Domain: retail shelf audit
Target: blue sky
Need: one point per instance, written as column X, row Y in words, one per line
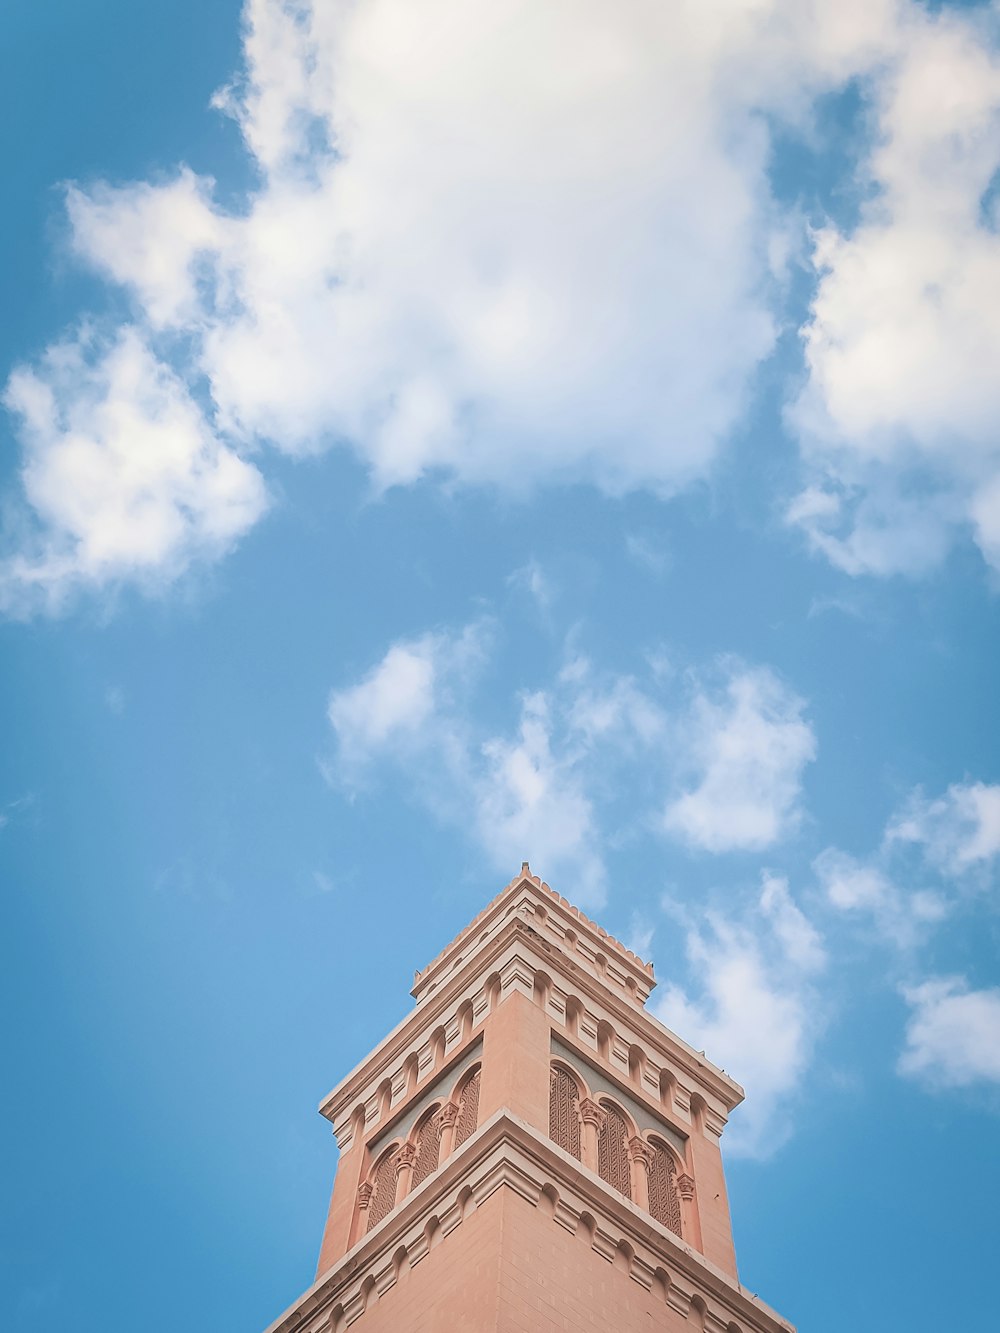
column 441, row 435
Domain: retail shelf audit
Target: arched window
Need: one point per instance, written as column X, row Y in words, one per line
column 468, row 1115
column 383, row 1180
column 428, row 1143
column 612, row 1151
column 564, row 1116
column 663, row 1201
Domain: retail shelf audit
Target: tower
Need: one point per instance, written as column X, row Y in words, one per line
column 530, row 1150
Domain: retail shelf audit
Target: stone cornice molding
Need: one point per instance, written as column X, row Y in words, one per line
column 685, row 1186
column 536, row 889
column 640, row 1152
column 591, row 1113
column 447, row 1115
column 507, row 1153
column 339, row 1104
column 405, row 1156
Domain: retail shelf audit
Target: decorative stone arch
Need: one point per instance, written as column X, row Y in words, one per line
column 567, row 1093
column 574, row 1013
column 615, row 1135
column 377, row 1193
column 384, row 1099
column 411, row 1072
column 605, row 1040
column 697, row 1313
column 465, row 1020
column 437, row 1044
column 541, row 989
column 636, row 1064
column 664, row 1171
column 668, row 1089
column 426, row 1139
column 466, row 1098
column 699, row 1112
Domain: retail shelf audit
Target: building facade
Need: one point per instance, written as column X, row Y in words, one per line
column 530, row 1150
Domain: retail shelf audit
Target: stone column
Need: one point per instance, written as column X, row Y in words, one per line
column 405, row 1158
column 685, row 1188
column 592, row 1120
column 640, row 1154
column 446, row 1118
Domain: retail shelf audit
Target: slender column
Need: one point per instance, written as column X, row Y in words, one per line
column 592, row 1119
column 405, row 1158
column 446, row 1118
column 640, row 1154
column 685, row 1188
column 340, row 1220
column 365, row 1192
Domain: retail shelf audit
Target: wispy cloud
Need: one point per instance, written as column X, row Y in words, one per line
column 747, row 744
column 455, row 305
column 124, row 479
column 953, row 1034
column 959, row 832
column 898, row 414
column 755, row 1008
column 544, row 790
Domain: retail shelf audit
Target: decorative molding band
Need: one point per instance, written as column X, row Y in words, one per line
column 506, row 1153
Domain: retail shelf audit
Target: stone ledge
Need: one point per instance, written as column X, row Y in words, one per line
column 506, row 1153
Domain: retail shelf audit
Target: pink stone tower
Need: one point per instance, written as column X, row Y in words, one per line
column 530, row 1150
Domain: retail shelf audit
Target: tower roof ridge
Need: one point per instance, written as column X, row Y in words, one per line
column 526, row 877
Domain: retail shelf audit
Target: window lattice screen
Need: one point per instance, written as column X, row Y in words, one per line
column 428, row 1148
column 384, row 1194
column 663, row 1201
column 468, row 1117
column 564, row 1118
column 612, row 1153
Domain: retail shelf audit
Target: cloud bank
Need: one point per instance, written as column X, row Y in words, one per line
column 511, row 245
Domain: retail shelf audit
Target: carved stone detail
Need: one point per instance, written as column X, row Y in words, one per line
column 685, row 1186
column 405, row 1157
column 592, row 1114
column 447, row 1115
column 640, row 1152
column 365, row 1192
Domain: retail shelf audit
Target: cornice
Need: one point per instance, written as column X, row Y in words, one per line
column 600, row 940
column 506, row 1152
column 426, row 1015
column 423, row 1016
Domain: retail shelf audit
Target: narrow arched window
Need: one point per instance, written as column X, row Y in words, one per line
column 468, row 1116
column 612, row 1151
column 664, row 1204
column 564, row 1115
column 428, row 1142
column 383, row 1180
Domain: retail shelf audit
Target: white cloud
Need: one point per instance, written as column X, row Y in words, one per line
column 531, row 794
column 953, row 1034
column 959, row 831
column 957, row 840
column 519, row 244
column 150, row 238
column 898, row 417
column 123, row 477
column 754, row 1009
column 865, row 889
column 533, row 579
column 747, row 746
column 529, row 799
column 396, row 696
column 589, row 750
column 511, row 242
column 403, row 705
